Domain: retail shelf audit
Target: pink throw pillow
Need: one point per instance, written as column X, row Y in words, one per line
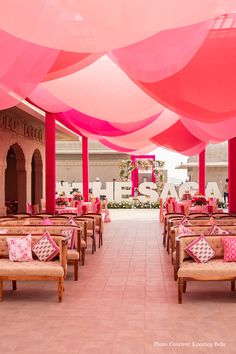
column 45, row 249
column 70, row 236
column 229, row 244
column 216, row 230
column 19, row 249
column 185, row 222
column 71, row 222
column 3, row 232
column 47, row 222
column 183, row 230
column 200, row 250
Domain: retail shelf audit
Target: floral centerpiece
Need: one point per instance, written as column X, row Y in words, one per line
column 78, row 196
column 199, row 200
column 61, row 201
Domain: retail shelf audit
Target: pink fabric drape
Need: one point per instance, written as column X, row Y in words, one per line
column 95, row 26
column 23, row 66
column 177, row 138
column 162, row 54
column 204, row 89
column 116, row 98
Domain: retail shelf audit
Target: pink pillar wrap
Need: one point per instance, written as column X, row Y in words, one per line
column 134, row 176
column 50, row 155
column 134, row 173
column 85, row 158
column 232, row 174
column 202, row 172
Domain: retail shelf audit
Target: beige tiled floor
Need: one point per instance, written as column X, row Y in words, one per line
column 125, row 302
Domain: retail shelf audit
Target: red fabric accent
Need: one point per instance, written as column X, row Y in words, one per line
column 210, row 209
column 84, row 209
column 99, row 207
column 169, row 138
column 205, row 88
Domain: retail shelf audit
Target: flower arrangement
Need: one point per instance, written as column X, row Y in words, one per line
column 144, row 164
column 199, row 200
column 78, row 196
column 136, row 204
column 61, row 201
column 126, row 167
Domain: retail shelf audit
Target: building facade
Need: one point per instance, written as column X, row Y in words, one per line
column 103, row 162
column 22, row 156
column 216, row 165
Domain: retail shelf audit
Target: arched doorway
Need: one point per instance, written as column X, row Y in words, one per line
column 15, row 180
column 36, row 177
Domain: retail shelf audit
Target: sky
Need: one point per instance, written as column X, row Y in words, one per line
column 172, row 160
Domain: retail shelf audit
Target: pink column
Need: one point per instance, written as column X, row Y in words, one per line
column 202, row 172
column 85, row 158
column 153, row 176
column 232, row 174
column 50, row 152
column 134, row 177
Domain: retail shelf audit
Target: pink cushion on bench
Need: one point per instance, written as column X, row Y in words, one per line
column 229, row 244
column 45, row 249
column 19, row 249
column 200, row 250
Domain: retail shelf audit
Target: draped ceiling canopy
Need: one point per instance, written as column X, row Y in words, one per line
column 134, row 75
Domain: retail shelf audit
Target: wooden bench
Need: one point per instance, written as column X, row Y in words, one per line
column 73, row 256
column 214, row 269
column 54, row 270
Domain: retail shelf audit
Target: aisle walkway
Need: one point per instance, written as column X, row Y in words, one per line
column 125, row 302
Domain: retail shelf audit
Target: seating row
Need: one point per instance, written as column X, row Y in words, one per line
column 84, row 227
column 180, row 243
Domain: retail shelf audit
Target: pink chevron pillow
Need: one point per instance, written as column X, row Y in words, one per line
column 46, row 249
column 216, row 230
column 200, row 250
column 70, row 236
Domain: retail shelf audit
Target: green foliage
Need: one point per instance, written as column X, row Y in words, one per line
column 136, row 204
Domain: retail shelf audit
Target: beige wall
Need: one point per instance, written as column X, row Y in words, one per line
column 213, row 174
column 216, row 154
column 104, row 166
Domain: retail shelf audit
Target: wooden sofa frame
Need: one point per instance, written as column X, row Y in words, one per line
column 61, row 242
column 182, row 281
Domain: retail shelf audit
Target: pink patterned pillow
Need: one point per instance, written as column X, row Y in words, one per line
column 19, row 249
column 45, row 249
column 183, row 230
column 216, row 230
column 47, row 221
column 185, row 222
column 200, row 250
column 70, row 236
column 3, row 232
column 71, row 222
column 229, row 244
